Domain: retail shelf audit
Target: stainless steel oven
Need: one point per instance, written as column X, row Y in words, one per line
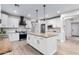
column 22, row 36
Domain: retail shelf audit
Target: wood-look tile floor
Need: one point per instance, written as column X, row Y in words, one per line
column 70, row 47
column 21, row 48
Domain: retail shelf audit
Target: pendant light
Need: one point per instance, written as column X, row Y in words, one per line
column 36, row 15
column 44, row 11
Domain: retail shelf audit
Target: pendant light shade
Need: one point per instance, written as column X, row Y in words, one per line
column 44, row 5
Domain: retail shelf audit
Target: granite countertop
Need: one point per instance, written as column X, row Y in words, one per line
column 45, row 35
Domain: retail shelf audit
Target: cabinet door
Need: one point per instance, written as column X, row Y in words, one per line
column 14, row 37
column 52, row 45
column 28, row 38
column 42, row 45
column 33, row 41
column 36, row 42
column 13, row 22
column 4, row 20
column 9, row 35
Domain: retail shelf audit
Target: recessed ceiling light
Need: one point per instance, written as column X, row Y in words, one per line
column 15, row 11
column 58, row 12
column 29, row 15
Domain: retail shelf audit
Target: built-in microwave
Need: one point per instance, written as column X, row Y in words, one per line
column 50, row 26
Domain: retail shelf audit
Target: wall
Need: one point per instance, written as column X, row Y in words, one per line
column 68, row 29
column 64, row 17
column 28, row 22
column 71, row 13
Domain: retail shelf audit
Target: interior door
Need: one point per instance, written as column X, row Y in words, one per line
column 75, row 29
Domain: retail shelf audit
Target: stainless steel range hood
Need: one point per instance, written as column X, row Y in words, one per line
column 22, row 22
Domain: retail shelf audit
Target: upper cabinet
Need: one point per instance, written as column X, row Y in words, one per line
column 4, row 20
column 9, row 21
column 54, row 22
column 13, row 22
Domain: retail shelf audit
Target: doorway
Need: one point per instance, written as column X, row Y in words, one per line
column 75, row 29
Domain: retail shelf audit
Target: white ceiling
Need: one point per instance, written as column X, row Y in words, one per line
column 29, row 9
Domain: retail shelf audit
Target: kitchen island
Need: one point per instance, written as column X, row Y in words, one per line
column 46, row 43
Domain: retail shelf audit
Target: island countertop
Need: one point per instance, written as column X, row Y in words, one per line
column 45, row 35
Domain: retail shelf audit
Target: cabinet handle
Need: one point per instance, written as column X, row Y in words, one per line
column 38, row 42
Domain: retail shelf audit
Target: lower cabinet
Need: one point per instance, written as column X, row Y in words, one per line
column 33, row 41
column 13, row 36
column 44, row 45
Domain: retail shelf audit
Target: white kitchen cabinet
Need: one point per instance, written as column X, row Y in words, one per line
column 47, row 46
column 9, row 21
column 13, row 22
column 13, row 36
column 32, row 40
column 42, row 45
column 54, row 22
column 4, row 21
column 36, row 42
